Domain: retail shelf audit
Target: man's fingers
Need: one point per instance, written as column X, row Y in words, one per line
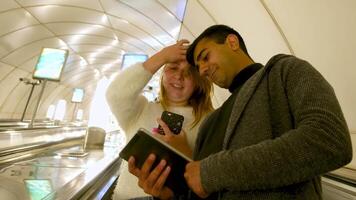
column 154, row 175
column 132, row 167
column 146, row 167
column 162, row 179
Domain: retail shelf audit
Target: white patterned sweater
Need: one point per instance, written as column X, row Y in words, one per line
column 133, row 111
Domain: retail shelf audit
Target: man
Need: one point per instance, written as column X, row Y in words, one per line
column 280, row 129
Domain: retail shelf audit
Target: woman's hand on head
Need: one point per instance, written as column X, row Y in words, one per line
column 171, row 54
column 179, row 141
column 176, row 52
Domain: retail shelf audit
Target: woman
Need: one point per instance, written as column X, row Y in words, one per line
column 183, row 91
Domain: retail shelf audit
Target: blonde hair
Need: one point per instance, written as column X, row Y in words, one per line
column 200, row 99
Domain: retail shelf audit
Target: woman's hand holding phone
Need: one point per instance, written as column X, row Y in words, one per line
column 177, row 141
column 174, row 122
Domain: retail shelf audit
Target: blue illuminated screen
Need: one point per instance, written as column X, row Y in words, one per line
column 50, row 64
column 130, row 59
column 78, row 94
column 38, row 188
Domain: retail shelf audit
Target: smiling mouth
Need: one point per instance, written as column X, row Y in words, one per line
column 178, row 86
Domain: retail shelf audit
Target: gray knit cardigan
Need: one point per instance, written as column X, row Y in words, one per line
column 285, row 130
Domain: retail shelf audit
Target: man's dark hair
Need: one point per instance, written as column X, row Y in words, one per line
column 218, row 34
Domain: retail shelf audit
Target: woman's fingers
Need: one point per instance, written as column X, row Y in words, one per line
column 183, row 41
column 167, row 132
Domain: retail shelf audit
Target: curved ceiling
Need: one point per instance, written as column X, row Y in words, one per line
column 96, row 32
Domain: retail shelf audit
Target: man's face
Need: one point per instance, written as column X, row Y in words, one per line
column 215, row 61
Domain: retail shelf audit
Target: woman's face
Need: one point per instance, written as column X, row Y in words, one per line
column 178, row 83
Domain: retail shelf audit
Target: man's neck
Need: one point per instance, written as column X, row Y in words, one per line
column 242, row 63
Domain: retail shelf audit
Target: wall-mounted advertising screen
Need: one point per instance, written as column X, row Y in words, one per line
column 78, row 95
column 50, row 64
column 130, row 59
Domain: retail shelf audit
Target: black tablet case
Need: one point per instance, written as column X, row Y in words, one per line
column 144, row 143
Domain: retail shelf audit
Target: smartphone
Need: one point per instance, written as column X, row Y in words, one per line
column 173, row 120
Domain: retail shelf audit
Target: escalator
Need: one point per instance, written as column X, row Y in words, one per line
column 51, row 164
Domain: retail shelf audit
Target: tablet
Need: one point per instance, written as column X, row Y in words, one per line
column 144, row 143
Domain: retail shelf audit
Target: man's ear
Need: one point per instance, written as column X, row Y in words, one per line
column 232, row 41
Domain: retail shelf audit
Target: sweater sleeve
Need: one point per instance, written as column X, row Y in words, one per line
column 320, row 141
column 124, row 94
